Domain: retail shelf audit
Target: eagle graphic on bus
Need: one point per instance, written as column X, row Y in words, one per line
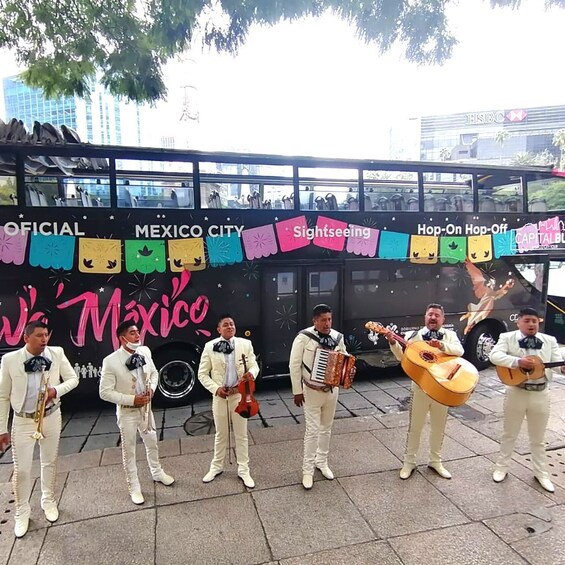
column 484, row 288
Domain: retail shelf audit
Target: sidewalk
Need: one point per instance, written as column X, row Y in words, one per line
column 366, row 516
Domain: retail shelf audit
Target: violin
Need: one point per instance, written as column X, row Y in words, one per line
column 247, row 406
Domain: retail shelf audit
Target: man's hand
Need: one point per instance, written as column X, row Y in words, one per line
column 5, row 442
column 222, row 392
column 51, row 393
column 247, row 377
column 435, row 343
column 298, row 399
column 141, row 399
column 525, row 363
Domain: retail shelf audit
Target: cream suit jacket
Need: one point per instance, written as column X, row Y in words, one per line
column 212, row 368
column 507, row 351
column 303, row 351
column 450, row 341
column 116, row 381
column 13, row 380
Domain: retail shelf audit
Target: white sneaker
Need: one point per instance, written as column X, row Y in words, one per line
column 21, row 526
column 546, row 484
column 499, row 476
column 210, row 476
column 247, row 480
column 327, row 472
column 406, row 472
column 307, row 481
column 440, row 470
column 165, row 479
column 51, row 512
column 137, row 497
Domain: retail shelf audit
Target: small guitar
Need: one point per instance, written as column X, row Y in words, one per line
column 515, row 377
column 448, row 379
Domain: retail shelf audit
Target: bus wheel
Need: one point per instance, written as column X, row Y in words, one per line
column 178, row 383
column 479, row 344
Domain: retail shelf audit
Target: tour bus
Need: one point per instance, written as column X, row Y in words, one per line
column 170, row 239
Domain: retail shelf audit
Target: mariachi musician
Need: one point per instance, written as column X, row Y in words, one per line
column 30, row 381
column 530, row 399
column 319, row 401
column 447, row 342
column 221, row 369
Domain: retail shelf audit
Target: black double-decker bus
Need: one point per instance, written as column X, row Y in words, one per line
column 91, row 235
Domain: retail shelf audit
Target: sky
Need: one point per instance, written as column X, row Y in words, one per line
column 311, row 87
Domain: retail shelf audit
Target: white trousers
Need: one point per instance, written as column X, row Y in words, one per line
column 420, row 405
column 130, row 421
column 223, row 410
column 534, row 405
column 22, row 453
column 319, row 411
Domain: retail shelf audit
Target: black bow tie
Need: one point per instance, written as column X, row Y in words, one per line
column 432, row 334
column 327, row 341
column 530, row 342
column 223, row 346
column 37, row 364
column 135, row 361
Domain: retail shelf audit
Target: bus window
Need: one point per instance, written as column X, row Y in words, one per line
column 391, row 191
column 546, row 193
column 329, row 189
column 155, row 193
column 8, row 191
column 447, row 192
column 500, row 192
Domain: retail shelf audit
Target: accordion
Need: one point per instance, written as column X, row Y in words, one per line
column 333, row 368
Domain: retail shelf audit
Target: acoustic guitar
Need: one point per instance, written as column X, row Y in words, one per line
column 447, row 379
column 516, row 376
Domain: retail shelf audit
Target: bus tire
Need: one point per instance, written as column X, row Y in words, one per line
column 178, row 383
column 479, row 344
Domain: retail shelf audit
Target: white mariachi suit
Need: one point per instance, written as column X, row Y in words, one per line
column 14, row 391
column 119, row 385
column 519, row 402
column 212, row 373
column 421, row 403
column 319, row 405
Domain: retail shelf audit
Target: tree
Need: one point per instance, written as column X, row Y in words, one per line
column 559, row 141
column 526, row 159
column 500, row 137
column 65, row 43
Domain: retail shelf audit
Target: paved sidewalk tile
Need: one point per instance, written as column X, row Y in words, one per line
column 294, row 521
column 470, row 544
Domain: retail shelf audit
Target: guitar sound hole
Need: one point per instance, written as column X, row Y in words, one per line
column 428, row 356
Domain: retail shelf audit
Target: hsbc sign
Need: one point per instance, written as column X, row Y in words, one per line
column 495, row 117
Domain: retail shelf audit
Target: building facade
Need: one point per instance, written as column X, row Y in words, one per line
column 496, row 136
column 103, row 119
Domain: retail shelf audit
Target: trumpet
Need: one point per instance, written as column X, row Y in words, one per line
column 40, row 407
column 147, row 420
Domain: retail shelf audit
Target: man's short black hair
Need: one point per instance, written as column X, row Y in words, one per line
column 528, row 312
column 224, row 316
column 32, row 326
column 124, row 326
column 434, row 305
column 320, row 309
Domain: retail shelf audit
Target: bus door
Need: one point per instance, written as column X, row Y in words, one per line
column 288, row 296
column 555, row 313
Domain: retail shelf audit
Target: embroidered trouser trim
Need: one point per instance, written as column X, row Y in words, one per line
column 22, row 453
column 319, row 411
column 130, row 421
column 420, row 405
column 534, row 406
column 220, row 409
